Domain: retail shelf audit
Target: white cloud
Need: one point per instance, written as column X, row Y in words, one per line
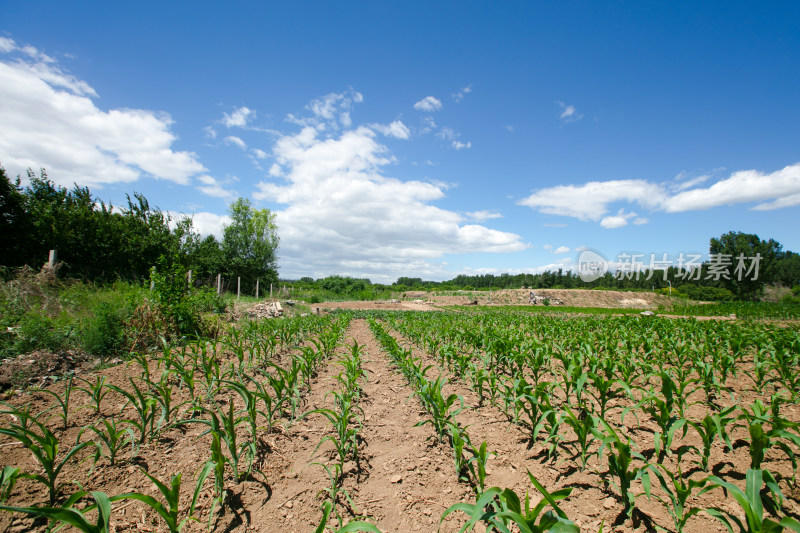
column 481, row 216
column 561, row 250
column 448, row 134
column 212, row 187
column 210, row 132
column 208, row 223
column 344, row 215
column 429, row 103
column 462, row 93
column 548, row 246
column 50, row 120
column 259, row 154
column 593, row 200
column 569, row 113
column 742, row 187
column 238, row 118
column 233, row 140
column 396, row 129
column 617, row 221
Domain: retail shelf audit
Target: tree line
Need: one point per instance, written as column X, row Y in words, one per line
column 102, row 243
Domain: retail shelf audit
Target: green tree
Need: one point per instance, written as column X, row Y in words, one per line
column 250, row 243
column 734, row 246
column 14, row 225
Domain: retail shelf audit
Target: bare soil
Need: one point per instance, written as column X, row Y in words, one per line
column 406, row 480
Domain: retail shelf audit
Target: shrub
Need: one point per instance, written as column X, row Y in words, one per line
column 712, row 294
column 104, row 334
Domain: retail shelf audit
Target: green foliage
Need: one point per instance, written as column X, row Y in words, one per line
column 250, row 243
column 179, row 303
column 710, row 294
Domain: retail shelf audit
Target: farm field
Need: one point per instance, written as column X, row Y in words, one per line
column 409, row 420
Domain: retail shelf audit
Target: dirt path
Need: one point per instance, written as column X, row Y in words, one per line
column 411, row 480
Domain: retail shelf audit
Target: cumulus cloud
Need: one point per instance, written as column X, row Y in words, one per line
column 213, row 187
column 429, row 103
column 238, row 118
column 569, row 113
column 233, row 140
column 592, row 201
column 561, row 250
column 206, row 223
column 396, row 129
column 344, row 215
column 481, row 216
column 50, row 120
column 617, row 221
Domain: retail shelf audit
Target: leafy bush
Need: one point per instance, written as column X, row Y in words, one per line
column 38, row 331
column 712, row 294
column 180, row 304
column 104, row 334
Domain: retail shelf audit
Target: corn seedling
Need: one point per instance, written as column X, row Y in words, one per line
column 171, row 493
column 96, row 391
column 711, row 426
column 113, row 436
column 677, row 491
column 43, row 445
column 500, row 508
column 8, row 478
column 327, row 508
column 620, row 459
column 145, row 407
column 74, row 517
column 750, row 501
column 62, row 402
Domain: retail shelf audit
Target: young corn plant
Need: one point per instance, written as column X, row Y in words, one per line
column 62, row 401
column 113, row 436
column 750, row 501
column 499, row 509
column 170, row 512
column 43, row 445
column 713, row 425
column 762, row 439
column 442, row 410
column 145, row 406
column 68, row 515
column 620, row 460
column 677, row 491
column 222, row 427
column 8, row 478
column 582, row 425
column 96, row 391
column 327, row 508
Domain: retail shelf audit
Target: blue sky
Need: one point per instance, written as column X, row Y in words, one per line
column 423, row 139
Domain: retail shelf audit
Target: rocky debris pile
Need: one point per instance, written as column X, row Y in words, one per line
column 534, row 299
column 266, row 310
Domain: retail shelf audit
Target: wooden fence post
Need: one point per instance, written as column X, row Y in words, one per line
column 238, row 287
column 219, row 284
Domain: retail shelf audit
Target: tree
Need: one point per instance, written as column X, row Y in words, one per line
column 250, row 243
column 738, row 251
column 14, row 226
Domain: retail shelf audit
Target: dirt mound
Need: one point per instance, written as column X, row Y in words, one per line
column 569, row 297
column 37, row 368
